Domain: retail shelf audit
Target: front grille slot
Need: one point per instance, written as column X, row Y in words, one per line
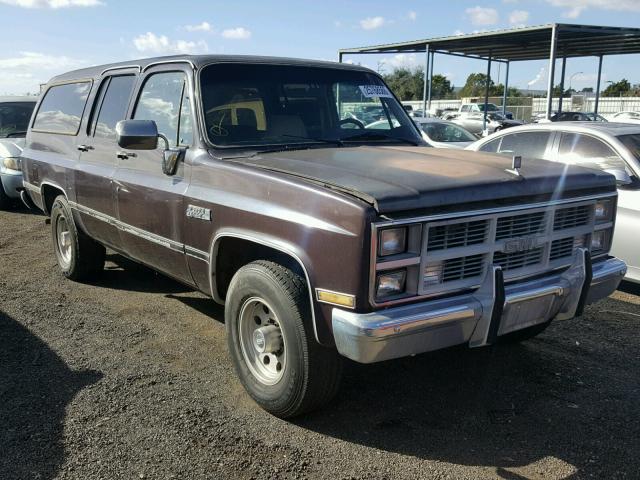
column 572, row 217
column 561, row 248
column 520, row 225
column 457, row 235
column 462, row 268
column 511, row 261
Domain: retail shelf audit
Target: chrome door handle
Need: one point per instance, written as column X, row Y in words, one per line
column 125, row 155
column 85, row 148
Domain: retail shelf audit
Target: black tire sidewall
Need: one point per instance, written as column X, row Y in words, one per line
column 60, row 208
column 254, row 281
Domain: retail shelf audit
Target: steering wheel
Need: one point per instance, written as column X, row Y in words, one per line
column 354, row 121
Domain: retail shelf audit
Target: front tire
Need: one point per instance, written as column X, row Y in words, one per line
column 272, row 344
column 79, row 256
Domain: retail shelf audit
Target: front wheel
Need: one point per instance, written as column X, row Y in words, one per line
column 272, row 344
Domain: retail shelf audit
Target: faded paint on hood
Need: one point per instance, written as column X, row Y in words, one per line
column 407, row 178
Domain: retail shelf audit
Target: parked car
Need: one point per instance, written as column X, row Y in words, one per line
column 474, row 122
column 611, row 147
column 573, row 117
column 478, row 107
column 322, row 238
column 443, row 134
column 15, row 113
column 625, row 117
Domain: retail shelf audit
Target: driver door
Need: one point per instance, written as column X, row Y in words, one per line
column 149, row 203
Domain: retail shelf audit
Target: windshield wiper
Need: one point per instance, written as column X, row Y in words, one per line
column 378, row 136
column 315, row 139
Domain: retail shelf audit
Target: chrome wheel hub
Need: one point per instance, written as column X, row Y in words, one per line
column 63, row 241
column 261, row 340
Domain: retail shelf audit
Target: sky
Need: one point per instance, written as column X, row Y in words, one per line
column 42, row 38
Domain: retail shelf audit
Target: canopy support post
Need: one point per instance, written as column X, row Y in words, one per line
column 486, row 95
column 506, row 90
column 564, row 68
column 552, row 70
column 595, row 110
column 430, row 82
column 426, row 74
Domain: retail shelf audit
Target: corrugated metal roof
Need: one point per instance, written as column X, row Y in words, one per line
column 526, row 43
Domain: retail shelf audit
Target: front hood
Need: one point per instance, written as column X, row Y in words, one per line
column 11, row 147
column 393, row 179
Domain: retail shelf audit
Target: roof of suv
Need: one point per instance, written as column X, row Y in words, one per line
column 18, row 98
column 199, row 61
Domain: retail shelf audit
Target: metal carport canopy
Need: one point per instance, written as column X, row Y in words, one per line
column 552, row 41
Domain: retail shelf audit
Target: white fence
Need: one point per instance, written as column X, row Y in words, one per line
column 579, row 103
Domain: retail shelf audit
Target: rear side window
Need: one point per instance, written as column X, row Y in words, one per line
column 588, row 152
column 61, row 108
column 528, row 144
column 161, row 101
column 114, row 105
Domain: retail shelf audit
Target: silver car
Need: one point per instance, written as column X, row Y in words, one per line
column 613, row 147
column 15, row 113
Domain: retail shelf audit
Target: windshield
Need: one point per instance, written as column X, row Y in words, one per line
column 445, row 132
column 264, row 105
column 14, row 118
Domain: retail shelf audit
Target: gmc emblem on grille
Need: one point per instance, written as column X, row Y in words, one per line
column 522, row 244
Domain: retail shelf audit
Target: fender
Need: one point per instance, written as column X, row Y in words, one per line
column 267, row 241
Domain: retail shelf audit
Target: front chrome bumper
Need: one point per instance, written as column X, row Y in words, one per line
column 478, row 318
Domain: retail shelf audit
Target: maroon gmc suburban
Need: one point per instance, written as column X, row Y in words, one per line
column 324, row 232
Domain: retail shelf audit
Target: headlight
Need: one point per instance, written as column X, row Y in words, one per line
column 389, row 284
column 604, row 211
column 600, row 241
column 392, row 241
column 12, row 163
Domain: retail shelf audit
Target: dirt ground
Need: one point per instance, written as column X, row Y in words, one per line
column 129, row 377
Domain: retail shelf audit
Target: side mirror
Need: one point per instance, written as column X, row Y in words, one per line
column 137, row 134
column 622, row 176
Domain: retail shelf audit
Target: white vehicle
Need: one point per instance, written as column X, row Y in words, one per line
column 625, row 117
column 613, row 147
column 15, row 113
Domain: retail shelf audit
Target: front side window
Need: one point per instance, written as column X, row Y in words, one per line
column 527, row 144
column 492, row 146
column 114, row 105
column 588, row 151
column 160, row 100
column 61, row 108
column 14, row 118
column 258, row 105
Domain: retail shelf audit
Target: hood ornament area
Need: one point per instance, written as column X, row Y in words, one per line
column 516, row 164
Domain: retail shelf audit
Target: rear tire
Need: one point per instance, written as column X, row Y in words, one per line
column 524, row 334
column 271, row 341
column 79, row 256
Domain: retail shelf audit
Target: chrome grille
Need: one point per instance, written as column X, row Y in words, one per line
column 572, row 217
column 520, row 225
column 457, row 235
column 511, row 261
column 449, row 254
column 461, row 268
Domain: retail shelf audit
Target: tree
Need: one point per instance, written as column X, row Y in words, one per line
column 408, row 84
column 405, row 83
column 475, row 85
column 617, row 89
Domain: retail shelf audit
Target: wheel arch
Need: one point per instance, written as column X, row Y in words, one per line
column 49, row 192
column 223, row 264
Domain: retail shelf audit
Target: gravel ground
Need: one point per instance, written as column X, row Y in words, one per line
column 129, row 378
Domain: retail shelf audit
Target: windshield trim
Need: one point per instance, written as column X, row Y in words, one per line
column 284, row 62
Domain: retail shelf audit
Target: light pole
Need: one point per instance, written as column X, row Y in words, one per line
column 571, row 78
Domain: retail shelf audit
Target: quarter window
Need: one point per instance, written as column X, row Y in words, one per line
column 61, row 108
column 114, row 105
column 161, row 101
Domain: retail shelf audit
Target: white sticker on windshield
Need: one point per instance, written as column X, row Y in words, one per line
column 371, row 91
